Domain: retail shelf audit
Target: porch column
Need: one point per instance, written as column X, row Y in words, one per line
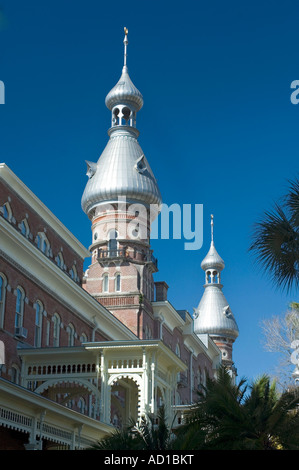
column 105, row 410
column 144, row 398
column 153, row 368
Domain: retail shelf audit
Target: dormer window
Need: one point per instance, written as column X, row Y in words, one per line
column 60, row 261
column 6, row 211
column 24, row 227
column 43, row 243
column 73, row 273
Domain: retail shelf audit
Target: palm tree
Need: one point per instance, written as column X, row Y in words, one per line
column 242, row 417
column 155, row 433
column 276, row 240
column 226, row 417
column 119, row 439
column 151, row 433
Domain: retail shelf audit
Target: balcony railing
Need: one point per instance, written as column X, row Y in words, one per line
column 125, row 253
column 122, row 253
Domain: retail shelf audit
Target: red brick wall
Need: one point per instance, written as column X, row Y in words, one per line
column 51, row 306
column 37, row 224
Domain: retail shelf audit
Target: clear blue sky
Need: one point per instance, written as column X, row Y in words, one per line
column 217, row 125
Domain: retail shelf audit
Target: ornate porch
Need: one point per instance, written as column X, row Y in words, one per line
column 109, row 381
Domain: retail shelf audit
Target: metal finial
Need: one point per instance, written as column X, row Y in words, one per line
column 212, row 227
column 126, row 42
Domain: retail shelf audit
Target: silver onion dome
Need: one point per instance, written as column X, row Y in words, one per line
column 122, row 170
column 213, row 315
column 125, row 93
column 212, row 260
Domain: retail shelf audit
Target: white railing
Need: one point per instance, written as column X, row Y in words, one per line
column 125, row 364
column 15, row 420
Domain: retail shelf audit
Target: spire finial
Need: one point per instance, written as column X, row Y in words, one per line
column 126, row 42
column 212, row 227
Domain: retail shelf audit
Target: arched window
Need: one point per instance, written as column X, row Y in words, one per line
column 73, row 273
column 60, row 261
column 43, row 243
column 83, row 338
column 15, row 374
column 178, row 353
column 24, row 227
column 117, row 282
column 112, row 243
column 71, row 334
column 105, row 283
column 38, row 324
column 45, row 246
column 19, row 307
column 6, row 211
column 56, row 329
column 3, row 284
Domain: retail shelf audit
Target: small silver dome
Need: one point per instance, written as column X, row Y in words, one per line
column 213, row 315
column 212, row 260
column 124, row 92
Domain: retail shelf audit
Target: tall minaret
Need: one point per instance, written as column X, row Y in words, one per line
column 121, row 199
column 213, row 315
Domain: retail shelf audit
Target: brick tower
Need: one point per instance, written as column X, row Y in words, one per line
column 122, row 198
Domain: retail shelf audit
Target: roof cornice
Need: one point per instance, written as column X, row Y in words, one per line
column 7, row 175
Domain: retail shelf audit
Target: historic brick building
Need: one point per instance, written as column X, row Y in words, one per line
column 86, row 351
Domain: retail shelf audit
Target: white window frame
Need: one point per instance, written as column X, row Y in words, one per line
column 20, row 302
column 56, row 329
column 3, row 285
column 60, row 260
column 71, row 334
column 24, row 227
column 43, row 243
column 7, row 212
column 105, row 283
column 117, row 281
column 38, row 323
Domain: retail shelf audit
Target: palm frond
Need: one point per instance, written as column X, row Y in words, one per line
column 292, row 202
column 276, row 246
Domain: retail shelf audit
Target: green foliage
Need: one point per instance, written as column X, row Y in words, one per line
column 226, row 417
column 245, row 417
column 145, row 435
column 276, row 240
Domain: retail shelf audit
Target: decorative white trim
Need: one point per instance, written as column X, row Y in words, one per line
column 29, row 197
